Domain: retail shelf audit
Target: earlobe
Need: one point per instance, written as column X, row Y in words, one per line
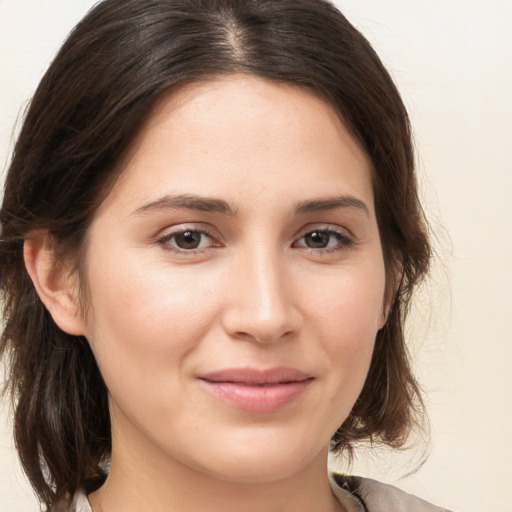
column 383, row 318
column 53, row 283
column 391, row 296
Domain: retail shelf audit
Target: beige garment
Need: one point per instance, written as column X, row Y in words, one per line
column 354, row 493
column 374, row 496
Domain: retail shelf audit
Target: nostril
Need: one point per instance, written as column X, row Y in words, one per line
column 268, row 335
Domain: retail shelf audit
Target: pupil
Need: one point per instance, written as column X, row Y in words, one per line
column 317, row 239
column 188, row 240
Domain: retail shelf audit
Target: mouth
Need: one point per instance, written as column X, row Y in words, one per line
column 256, row 390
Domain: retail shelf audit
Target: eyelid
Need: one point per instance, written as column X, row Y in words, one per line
column 164, row 236
column 347, row 238
column 335, row 228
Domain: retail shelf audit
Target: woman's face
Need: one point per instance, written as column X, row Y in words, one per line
column 236, row 279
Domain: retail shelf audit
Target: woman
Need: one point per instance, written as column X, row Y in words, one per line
column 210, row 236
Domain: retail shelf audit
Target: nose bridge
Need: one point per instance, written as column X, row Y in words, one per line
column 262, row 303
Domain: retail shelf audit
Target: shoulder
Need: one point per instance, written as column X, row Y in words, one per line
column 379, row 497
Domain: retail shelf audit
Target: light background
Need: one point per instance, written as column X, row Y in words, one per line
column 452, row 60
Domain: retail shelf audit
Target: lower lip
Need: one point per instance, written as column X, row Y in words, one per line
column 253, row 398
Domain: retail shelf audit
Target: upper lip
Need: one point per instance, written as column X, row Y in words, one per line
column 256, row 376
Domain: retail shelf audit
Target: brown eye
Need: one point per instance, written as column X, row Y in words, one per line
column 187, row 240
column 318, row 239
column 327, row 239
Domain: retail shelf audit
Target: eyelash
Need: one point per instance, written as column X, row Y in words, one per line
column 165, row 240
column 343, row 240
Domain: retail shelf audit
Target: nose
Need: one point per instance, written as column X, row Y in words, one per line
column 262, row 302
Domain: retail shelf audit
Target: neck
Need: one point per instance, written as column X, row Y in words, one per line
column 150, row 484
column 143, row 476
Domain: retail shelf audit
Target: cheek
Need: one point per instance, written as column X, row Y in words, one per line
column 351, row 304
column 349, row 314
column 132, row 295
column 145, row 320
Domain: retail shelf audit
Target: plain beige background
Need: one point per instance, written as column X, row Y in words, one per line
column 452, row 60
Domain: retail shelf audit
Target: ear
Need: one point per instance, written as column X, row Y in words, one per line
column 384, row 317
column 53, row 283
column 390, row 295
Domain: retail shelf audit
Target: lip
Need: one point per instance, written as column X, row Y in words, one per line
column 257, row 390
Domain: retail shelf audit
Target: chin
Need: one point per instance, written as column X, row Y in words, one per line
column 258, row 462
column 257, row 471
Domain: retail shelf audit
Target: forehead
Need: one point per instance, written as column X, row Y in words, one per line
column 248, row 134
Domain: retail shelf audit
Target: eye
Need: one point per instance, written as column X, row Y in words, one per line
column 324, row 239
column 187, row 240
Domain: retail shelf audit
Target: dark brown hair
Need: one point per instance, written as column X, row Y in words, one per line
column 89, row 107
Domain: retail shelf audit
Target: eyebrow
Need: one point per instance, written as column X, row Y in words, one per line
column 189, row 202
column 331, row 203
column 212, row 205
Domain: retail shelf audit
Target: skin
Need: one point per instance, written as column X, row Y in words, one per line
column 256, row 292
